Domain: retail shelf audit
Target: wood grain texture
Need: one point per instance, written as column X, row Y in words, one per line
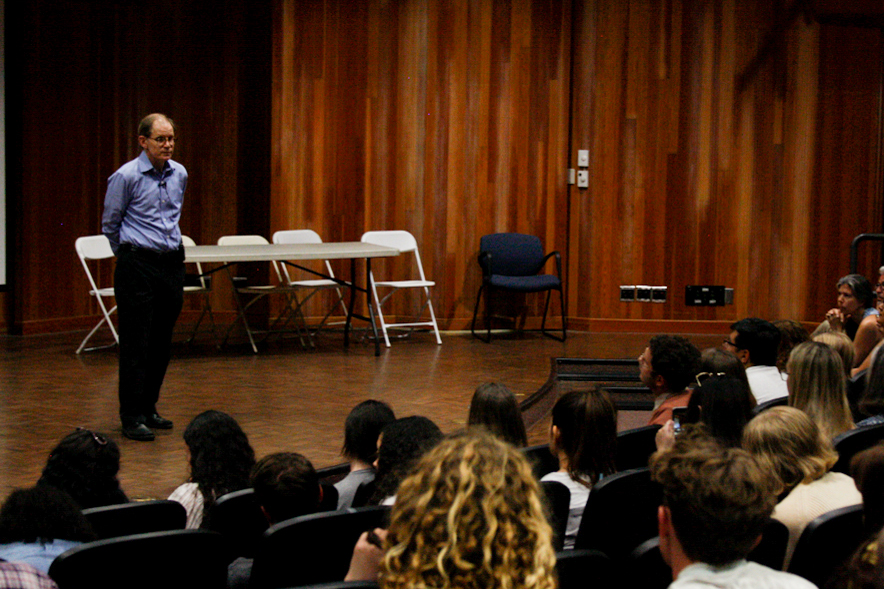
column 731, row 142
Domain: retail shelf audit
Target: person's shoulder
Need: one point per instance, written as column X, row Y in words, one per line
column 737, row 575
column 178, row 168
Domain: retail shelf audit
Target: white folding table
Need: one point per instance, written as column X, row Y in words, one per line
column 225, row 255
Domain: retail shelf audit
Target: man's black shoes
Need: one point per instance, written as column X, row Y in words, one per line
column 138, row 431
column 157, row 422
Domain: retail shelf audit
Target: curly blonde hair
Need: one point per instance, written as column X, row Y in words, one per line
column 470, row 517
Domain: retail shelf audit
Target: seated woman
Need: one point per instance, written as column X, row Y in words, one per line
column 871, row 404
column 361, row 430
column 400, row 446
column 471, row 515
column 792, row 333
column 38, row 524
column 220, row 462
column 495, row 408
column 818, row 387
column 856, row 316
column 583, row 436
column 85, row 465
column 789, row 443
column 723, row 404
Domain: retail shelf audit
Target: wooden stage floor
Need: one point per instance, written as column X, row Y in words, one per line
column 285, row 398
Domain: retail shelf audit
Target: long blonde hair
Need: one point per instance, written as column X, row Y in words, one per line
column 469, row 517
column 818, row 386
column 786, row 441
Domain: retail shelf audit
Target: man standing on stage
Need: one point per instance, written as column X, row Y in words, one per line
column 141, row 212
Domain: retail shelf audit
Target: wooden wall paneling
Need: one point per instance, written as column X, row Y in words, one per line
column 847, row 133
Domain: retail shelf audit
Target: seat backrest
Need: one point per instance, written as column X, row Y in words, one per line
column 558, row 497
column 542, row 460
column 782, row 401
column 620, row 513
column 242, row 240
column 313, row 548
column 93, row 247
column 771, row 551
column 646, row 567
column 826, row 543
column 635, row 446
column 853, row 442
column 178, row 558
column 581, row 569
column 186, row 241
column 238, row 517
column 125, row 519
column 401, row 240
column 296, row 236
column 512, row 254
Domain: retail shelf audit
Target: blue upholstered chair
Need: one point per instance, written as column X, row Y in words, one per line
column 512, row 262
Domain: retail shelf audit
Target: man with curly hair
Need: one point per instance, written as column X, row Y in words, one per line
column 716, row 502
column 667, row 366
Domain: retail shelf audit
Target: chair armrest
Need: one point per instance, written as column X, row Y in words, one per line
column 485, row 263
column 558, row 262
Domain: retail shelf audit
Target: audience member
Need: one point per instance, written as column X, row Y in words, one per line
column 792, row 333
column 220, row 461
column 85, row 465
column 16, row 575
column 583, row 436
column 723, row 404
column 788, row 443
column 756, row 343
column 718, row 362
column 667, row 366
column 855, row 315
column 38, row 524
column 361, row 430
column 716, row 503
column 286, row 486
column 818, row 387
column 871, row 405
column 400, row 446
column 470, row 517
column 867, row 469
column 842, row 345
column 866, row 568
column 495, row 408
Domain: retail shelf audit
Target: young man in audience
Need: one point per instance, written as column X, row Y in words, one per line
column 286, row 486
column 667, row 366
column 756, row 343
column 361, row 431
column 716, row 502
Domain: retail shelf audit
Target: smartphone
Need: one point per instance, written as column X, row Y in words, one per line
column 678, row 418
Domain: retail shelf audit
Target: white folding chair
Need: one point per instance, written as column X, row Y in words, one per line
column 97, row 247
column 404, row 242
column 258, row 292
column 313, row 286
column 204, row 289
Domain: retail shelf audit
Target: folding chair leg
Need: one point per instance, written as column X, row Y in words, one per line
column 433, row 316
column 377, row 303
column 105, row 319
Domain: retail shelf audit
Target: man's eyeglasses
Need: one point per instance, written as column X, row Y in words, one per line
column 728, row 342
column 163, row 140
column 703, row 376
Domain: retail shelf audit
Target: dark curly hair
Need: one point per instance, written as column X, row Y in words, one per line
column 221, row 458
column 674, row 358
column 85, row 465
column 403, row 442
column 42, row 514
